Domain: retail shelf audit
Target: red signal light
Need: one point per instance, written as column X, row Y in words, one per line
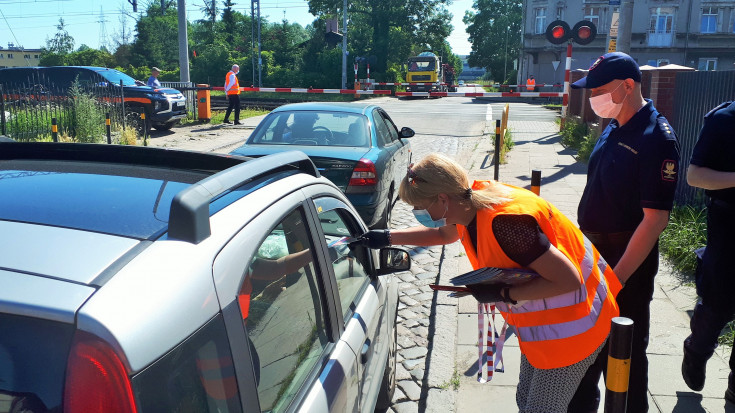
column 558, row 32
column 584, row 32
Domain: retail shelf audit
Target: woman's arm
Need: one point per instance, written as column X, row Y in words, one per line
column 558, row 276
column 423, row 236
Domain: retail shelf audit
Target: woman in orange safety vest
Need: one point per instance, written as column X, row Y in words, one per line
column 562, row 319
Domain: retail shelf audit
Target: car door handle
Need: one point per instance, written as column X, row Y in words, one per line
column 365, row 353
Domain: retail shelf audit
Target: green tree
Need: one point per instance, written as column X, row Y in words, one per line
column 156, row 42
column 62, row 43
column 494, row 28
column 90, row 57
column 391, row 25
column 229, row 21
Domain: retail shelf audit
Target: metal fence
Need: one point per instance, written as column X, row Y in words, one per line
column 27, row 108
column 696, row 94
column 188, row 89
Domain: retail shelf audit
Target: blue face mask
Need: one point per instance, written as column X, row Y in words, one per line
column 424, row 218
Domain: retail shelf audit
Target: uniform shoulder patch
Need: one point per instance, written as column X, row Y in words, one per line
column 664, row 126
column 722, row 105
column 669, row 169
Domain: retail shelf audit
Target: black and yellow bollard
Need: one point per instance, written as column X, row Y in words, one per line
column 496, row 157
column 107, row 128
column 54, row 130
column 145, row 129
column 536, row 182
column 618, row 365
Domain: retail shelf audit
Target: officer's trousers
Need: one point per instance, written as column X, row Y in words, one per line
column 233, row 102
column 715, row 285
column 634, row 302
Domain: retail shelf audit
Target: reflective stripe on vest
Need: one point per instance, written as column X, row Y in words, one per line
column 556, row 331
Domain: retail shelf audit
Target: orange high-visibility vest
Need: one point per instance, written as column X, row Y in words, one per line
column 232, row 89
column 565, row 329
column 530, row 84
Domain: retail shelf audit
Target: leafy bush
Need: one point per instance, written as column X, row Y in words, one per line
column 573, row 132
column 686, row 232
column 588, row 144
column 87, row 120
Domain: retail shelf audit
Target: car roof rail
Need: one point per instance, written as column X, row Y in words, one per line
column 189, row 216
column 118, row 154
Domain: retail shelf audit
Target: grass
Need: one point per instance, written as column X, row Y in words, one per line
column 687, row 231
column 218, row 116
column 453, row 382
column 577, row 135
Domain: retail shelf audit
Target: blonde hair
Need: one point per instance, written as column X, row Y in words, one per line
column 437, row 174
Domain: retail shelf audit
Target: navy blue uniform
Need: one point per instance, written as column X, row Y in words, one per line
column 715, row 149
column 632, row 167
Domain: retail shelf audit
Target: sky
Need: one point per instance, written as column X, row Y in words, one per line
column 30, row 23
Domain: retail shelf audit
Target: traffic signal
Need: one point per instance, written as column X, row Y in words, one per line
column 584, row 32
column 558, row 32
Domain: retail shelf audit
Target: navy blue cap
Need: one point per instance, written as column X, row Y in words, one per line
column 609, row 67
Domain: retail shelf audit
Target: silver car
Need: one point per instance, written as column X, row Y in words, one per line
column 149, row 280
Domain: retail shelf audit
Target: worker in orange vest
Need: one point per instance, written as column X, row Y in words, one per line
column 562, row 318
column 530, row 83
column 232, row 89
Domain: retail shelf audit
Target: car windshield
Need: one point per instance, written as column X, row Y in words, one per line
column 114, row 76
column 419, row 66
column 313, row 128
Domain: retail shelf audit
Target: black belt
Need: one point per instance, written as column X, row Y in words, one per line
column 608, row 237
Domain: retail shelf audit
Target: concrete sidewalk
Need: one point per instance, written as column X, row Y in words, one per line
column 537, row 146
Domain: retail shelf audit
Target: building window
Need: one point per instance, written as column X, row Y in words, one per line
column 1, row 56
column 540, row 14
column 559, row 12
column 661, row 29
column 709, row 20
column 10, row 55
column 707, row 63
column 26, row 56
column 35, row 56
column 593, row 14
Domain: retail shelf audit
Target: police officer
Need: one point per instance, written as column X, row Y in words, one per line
column 712, row 167
column 631, row 180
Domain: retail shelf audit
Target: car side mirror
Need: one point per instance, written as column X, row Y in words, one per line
column 407, row 132
column 393, row 260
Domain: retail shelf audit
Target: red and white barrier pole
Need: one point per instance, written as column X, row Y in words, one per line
column 567, row 76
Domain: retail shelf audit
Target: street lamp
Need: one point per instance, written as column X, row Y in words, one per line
column 505, row 63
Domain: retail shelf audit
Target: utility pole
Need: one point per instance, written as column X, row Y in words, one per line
column 260, row 58
column 626, row 26
column 252, row 35
column 344, row 44
column 183, row 43
column 163, row 7
column 505, row 62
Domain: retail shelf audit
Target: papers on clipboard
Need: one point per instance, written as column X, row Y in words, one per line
column 493, row 275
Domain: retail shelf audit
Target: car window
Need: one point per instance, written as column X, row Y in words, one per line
column 392, row 130
column 381, row 129
column 315, row 128
column 281, row 305
column 196, row 376
column 350, row 261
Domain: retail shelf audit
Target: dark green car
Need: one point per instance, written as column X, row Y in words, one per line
column 356, row 146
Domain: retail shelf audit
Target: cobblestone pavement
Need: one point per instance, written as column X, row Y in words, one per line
column 416, row 321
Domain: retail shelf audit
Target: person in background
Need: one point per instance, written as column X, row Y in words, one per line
column 571, row 304
column 153, row 79
column 712, row 167
column 232, row 89
column 530, row 83
column 625, row 205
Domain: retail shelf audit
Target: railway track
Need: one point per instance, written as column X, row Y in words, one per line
column 220, row 103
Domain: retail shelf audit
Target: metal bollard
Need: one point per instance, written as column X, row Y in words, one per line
column 618, row 365
column 145, row 129
column 536, row 181
column 54, row 130
column 107, row 127
column 496, row 157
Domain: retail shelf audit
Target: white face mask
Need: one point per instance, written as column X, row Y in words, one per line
column 604, row 106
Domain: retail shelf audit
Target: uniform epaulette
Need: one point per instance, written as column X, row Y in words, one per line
column 663, row 124
column 722, row 105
